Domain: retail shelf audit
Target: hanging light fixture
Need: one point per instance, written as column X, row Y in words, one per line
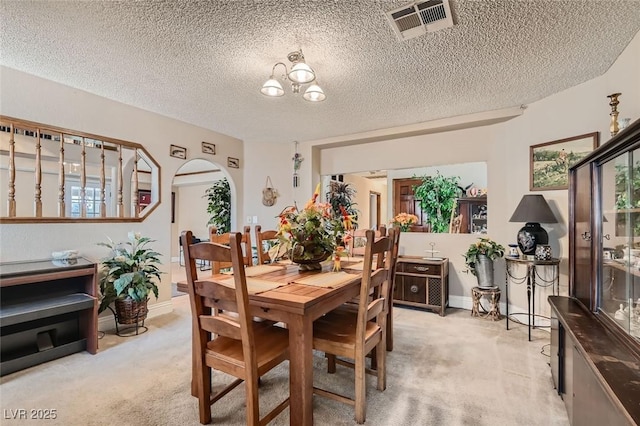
column 299, row 74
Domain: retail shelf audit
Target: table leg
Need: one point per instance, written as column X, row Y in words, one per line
column 529, row 299
column 301, row 371
column 533, row 295
column 506, row 290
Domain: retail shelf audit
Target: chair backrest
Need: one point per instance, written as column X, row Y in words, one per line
column 233, row 299
column 261, row 238
column 247, row 256
column 358, row 240
column 376, row 279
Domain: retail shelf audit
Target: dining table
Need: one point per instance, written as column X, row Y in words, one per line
column 282, row 292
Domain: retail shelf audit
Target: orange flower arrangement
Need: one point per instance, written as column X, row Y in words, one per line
column 404, row 221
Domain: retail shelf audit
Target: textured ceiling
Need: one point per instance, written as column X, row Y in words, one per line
column 204, row 62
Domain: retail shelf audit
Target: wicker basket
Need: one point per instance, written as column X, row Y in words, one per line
column 128, row 311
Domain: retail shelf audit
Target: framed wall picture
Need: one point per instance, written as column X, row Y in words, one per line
column 549, row 162
column 233, row 162
column 208, row 148
column 178, row 151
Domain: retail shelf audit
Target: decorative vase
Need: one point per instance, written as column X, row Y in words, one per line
column 314, row 256
column 129, row 311
column 484, row 271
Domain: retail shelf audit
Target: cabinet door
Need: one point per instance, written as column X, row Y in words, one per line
column 581, row 235
column 414, row 289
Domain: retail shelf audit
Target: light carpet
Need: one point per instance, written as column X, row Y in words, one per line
column 452, row 370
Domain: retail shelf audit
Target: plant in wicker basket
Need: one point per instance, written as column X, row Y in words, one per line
column 127, row 277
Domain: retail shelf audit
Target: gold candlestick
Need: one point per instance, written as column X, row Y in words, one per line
column 613, row 103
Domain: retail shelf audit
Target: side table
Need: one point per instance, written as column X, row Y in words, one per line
column 493, row 294
column 532, row 278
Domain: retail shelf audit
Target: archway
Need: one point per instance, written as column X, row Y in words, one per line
column 189, row 207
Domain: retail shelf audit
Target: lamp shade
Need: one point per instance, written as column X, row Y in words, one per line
column 533, row 209
column 301, row 73
column 314, row 94
column 272, row 88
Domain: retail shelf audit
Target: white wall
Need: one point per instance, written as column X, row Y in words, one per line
column 505, row 149
column 31, row 98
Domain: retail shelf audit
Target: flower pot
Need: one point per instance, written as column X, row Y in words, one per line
column 309, row 264
column 129, row 311
column 484, row 271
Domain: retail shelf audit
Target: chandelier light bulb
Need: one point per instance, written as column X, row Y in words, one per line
column 272, row 88
column 314, row 94
column 301, row 73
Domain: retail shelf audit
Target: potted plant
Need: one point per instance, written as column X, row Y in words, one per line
column 479, row 260
column 437, row 195
column 340, row 196
column 219, row 196
column 404, row 221
column 127, row 277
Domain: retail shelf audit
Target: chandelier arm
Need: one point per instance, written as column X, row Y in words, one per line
column 273, row 70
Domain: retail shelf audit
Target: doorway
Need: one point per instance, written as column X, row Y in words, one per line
column 374, row 209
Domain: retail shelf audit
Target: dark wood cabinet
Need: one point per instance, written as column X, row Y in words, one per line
column 48, row 309
column 595, row 331
column 422, row 283
column 474, row 215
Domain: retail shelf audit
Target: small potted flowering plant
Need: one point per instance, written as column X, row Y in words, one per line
column 404, row 221
column 127, row 277
column 309, row 236
column 479, row 260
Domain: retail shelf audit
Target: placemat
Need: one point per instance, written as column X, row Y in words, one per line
column 252, row 271
column 326, row 279
column 254, row 285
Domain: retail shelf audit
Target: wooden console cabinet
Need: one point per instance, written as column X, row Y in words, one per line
column 48, row 309
column 422, row 283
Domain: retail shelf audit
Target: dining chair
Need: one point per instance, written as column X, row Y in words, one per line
column 352, row 334
column 247, row 256
column 357, row 242
column 262, row 237
column 233, row 345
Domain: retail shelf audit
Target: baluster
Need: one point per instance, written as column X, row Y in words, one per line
column 103, row 192
column 134, row 185
column 83, row 181
column 11, row 195
column 120, row 203
column 61, row 204
column 38, row 178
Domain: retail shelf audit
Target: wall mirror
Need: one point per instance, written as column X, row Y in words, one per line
column 382, row 194
column 51, row 174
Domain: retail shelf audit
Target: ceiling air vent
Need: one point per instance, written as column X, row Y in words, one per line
column 419, row 18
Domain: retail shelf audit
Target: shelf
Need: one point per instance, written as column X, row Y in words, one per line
column 19, row 312
column 8, row 366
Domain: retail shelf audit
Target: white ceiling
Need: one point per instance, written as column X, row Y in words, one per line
column 204, row 62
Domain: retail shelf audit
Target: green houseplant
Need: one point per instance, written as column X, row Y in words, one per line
column 219, row 197
column 437, row 195
column 340, row 196
column 479, row 260
column 127, row 277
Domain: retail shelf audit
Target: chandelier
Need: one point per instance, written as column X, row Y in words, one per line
column 299, row 74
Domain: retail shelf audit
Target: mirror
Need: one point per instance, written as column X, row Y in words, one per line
column 382, row 194
column 56, row 175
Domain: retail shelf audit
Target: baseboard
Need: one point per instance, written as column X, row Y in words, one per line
column 107, row 322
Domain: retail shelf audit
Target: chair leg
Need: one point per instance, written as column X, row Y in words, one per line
column 381, row 364
column 331, row 363
column 204, row 395
column 253, row 410
column 361, row 391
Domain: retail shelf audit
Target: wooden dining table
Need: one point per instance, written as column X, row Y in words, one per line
column 299, row 299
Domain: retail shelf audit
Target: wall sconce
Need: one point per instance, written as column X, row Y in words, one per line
column 299, row 74
column 533, row 209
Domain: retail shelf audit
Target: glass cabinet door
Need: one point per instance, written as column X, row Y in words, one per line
column 619, row 285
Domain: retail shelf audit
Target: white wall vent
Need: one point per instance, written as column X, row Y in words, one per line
column 419, row 18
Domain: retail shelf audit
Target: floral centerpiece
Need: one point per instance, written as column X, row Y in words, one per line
column 311, row 235
column 483, row 247
column 404, row 221
column 128, row 273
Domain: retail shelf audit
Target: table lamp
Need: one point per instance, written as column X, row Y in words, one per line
column 533, row 209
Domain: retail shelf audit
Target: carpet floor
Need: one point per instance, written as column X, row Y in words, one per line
column 452, row 370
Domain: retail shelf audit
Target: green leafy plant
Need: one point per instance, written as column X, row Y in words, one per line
column 219, row 197
column 484, row 246
column 437, row 195
column 129, row 270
